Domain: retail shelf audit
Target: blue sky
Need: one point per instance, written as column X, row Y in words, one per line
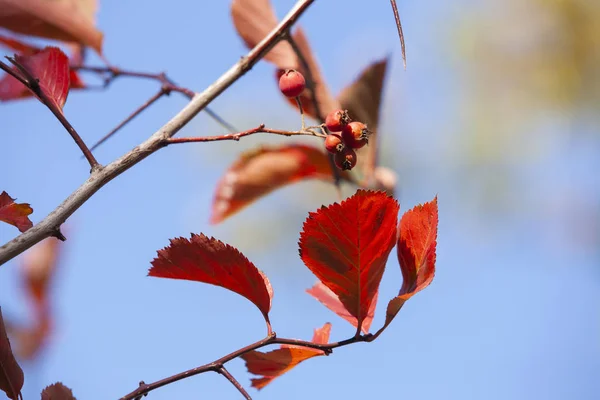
column 513, row 310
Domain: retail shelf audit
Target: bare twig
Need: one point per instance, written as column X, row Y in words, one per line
column 218, row 364
column 32, row 84
column 223, row 371
column 101, row 177
column 237, row 136
column 400, row 33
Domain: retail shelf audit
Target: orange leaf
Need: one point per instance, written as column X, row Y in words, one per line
column 253, row 20
column 65, row 20
column 211, row 261
column 277, row 362
column 57, row 391
column 260, row 171
column 417, row 235
column 362, row 99
column 11, row 374
column 329, row 299
column 15, row 214
column 347, row 245
column 50, row 68
column 37, row 269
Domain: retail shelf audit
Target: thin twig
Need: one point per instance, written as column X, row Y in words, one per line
column 32, row 84
column 399, row 27
column 223, row 371
column 101, row 177
column 237, row 136
column 134, row 114
column 215, row 365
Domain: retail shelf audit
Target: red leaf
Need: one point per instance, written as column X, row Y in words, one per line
column 329, row 299
column 50, row 67
column 362, row 99
column 253, row 20
column 347, row 245
column 11, row 374
column 15, row 214
column 277, row 362
column 65, row 20
column 260, row 171
column 37, row 269
column 57, row 391
column 18, row 46
column 211, row 261
column 417, row 235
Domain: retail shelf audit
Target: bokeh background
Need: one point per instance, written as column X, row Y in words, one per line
column 497, row 113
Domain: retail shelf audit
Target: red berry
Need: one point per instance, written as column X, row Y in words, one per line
column 292, row 83
column 337, row 120
column 355, row 134
column 345, row 159
column 334, row 143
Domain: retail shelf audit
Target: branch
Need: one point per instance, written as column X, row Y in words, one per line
column 102, row 176
column 237, row 136
column 32, row 84
column 218, row 364
column 234, row 382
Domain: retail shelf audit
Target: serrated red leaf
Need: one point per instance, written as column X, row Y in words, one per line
column 211, row 261
column 258, row 172
column 347, row 245
column 15, row 214
column 253, row 20
column 11, row 374
column 417, row 240
column 362, row 99
column 277, row 362
column 329, row 299
column 57, row 391
column 64, row 20
column 50, row 67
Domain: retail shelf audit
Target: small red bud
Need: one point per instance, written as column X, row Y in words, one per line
column 355, row 134
column 292, row 83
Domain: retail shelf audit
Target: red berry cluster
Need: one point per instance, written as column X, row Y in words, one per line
column 346, row 135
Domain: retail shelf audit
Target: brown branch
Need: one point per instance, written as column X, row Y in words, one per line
column 101, row 177
column 218, row 364
column 32, row 84
column 223, row 371
column 237, row 136
column 399, row 27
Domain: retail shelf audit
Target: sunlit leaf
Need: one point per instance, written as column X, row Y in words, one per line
column 347, row 245
column 211, row 261
column 417, row 240
column 258, row 172
column 277, row 362
column 57, row 391
column 329, row 299
column 15, row 214
column 65, row 20
column 11, row 374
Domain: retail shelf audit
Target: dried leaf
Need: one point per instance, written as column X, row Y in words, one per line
column 417, row 235
column 50, row 68
column 15, row 214
column 260, row 171
column 347, row 245
column 329, row 299
column 11, row 374
column 57, row 391
column 37, row 269
column 362, row 99
column 277, row 362
column 211, row 261
column 253, row 20
column 65, row 20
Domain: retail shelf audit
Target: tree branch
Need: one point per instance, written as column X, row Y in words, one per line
column 102, row 176
column 223, row 371
column 218, row 364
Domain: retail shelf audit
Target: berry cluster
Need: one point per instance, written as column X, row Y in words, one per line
column 346, row 136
